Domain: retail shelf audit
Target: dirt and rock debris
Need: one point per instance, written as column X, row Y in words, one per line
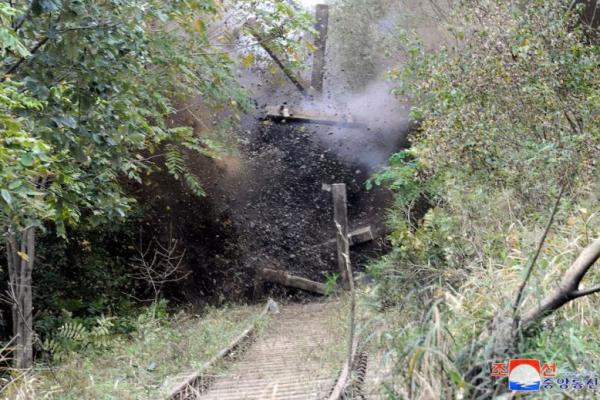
column 265, row 205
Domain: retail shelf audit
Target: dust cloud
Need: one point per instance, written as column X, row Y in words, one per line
column 382, row 125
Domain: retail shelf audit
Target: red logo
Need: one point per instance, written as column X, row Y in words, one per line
column 549, row 369
column 501, row 369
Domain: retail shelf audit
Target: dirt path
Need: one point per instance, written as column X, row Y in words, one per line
column 294, row 360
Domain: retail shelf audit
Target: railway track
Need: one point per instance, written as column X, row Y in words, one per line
column 286, row 362
column 299, row 357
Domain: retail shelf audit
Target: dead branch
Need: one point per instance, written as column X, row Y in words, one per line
column 568, row 288
column 159, row 263
column 252, row 27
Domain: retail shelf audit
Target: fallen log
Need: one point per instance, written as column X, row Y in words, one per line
column 283, row 278
column 284, row 113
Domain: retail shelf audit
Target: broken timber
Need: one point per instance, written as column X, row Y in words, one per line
column 285, row 114
column 357, row 236
column 321, row 25
column 283, row 278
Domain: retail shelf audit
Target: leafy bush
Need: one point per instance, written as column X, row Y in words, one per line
column 73, row 336
column 508, row 114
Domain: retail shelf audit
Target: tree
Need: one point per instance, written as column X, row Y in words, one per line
column 86, row 91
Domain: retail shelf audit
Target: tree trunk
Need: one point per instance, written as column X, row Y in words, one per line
column 20, row 256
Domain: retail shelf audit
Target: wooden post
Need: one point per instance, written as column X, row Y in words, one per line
column 340, row 218
column 321, row 23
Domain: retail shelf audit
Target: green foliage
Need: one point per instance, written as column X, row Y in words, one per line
column 331, row 281
column 408, row 178
column 178, row 168
column 88, row 91
column 100, row 334
column 283, row 24
column 145, row 363
column 73, row 336
column 507, row 99
column 91, row 98
column 86, row 277
column 508, row 114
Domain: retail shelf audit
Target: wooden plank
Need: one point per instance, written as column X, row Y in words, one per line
column 357, row 236
column 361, row 235
column 253, row 29
column 340, row 219
column 288, row 114
column 321, row 26
column 283, row 278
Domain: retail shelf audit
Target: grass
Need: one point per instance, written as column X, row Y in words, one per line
column 138, row 368
column 426, row 335
column 371, row 325
column 333, row 357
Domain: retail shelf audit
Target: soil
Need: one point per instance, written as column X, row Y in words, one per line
column 264, row 207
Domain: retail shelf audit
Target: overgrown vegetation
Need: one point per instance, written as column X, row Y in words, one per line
column 157, row 355
column 88, row 91
column 495, row 222
column 505, row 163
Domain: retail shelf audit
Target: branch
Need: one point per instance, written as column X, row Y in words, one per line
column 568, row 288
column 44, row 40
column 538, row 251
column 16, row 65
column 252, row 27
column 159, row 264
column 585, row 292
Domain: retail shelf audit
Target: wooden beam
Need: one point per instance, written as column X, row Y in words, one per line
column 254, row 30
column 340, row 219
column 361, row 235
column 283, row 278
column 285, row 113
column 321, row 26
column 357, row 236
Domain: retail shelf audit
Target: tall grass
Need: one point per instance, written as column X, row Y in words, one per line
column 140, row 367
column 434, row 325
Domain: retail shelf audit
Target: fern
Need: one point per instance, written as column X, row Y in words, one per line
column 194, row 184
column 73, row 336
column 72, row 331
column 55, row 349
column 175, row 162
column 100, row 336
